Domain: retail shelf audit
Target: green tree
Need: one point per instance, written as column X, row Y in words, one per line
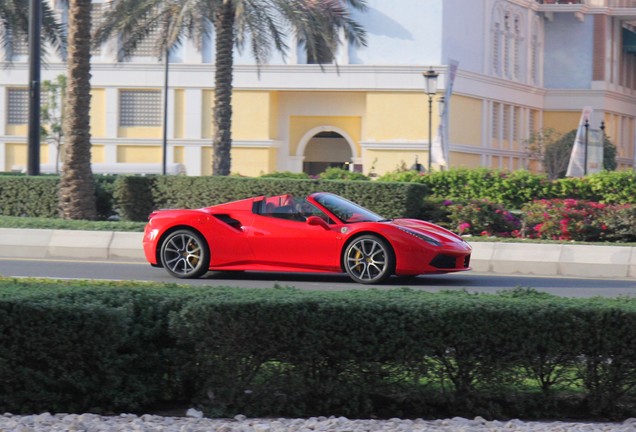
column 14, row 22
column 543, row 146
column 52, row 114
column 77, row 188
column 553, row 150
column 261, row 24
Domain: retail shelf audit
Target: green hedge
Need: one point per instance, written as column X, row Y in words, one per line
column 286, row 352
column 513, row 189
column 29, row 196
column 137, row 196
column 393, row 195
column 134, row 197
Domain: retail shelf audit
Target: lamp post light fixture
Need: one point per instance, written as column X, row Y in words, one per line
column 430, row 88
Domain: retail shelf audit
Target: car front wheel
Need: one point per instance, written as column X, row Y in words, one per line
column 185, row 254
column 369, row 259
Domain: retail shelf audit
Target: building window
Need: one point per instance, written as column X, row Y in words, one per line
column 506, row 122
column 496, row 49
column 140, row 108
column 532, row 122
column 507, row 48
column 19, row 43
column 515, row 123
column 147, row 47
column 495, row 120
column 96, row 18
column 17, row 106
column 516, row 58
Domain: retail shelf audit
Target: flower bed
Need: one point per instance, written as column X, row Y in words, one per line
column 546, row 219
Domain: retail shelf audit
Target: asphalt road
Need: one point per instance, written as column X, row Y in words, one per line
column 470, row 281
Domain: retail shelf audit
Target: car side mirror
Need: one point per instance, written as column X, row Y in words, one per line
column 315, row 220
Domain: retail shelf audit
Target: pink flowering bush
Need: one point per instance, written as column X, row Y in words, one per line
column 564, row 219
column 556, row 219
column 483, row 218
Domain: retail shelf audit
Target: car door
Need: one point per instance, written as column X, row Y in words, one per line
column 287, row 241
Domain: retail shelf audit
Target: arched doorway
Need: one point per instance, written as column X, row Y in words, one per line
column 326, row 149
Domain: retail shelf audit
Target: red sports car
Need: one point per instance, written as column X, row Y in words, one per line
column 320, row 233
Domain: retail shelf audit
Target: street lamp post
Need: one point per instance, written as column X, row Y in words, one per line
column 430, row 83
column 587, row 135
column 164, row 160
column 34, row 138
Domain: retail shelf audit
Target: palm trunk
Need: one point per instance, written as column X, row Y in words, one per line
column 224, row 45
column 77, row 188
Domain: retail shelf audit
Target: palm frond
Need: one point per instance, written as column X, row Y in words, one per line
column 14, row 21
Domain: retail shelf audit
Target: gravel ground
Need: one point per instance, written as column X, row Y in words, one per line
column 195, row 423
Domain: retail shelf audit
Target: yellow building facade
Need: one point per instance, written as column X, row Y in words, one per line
column 516, row 75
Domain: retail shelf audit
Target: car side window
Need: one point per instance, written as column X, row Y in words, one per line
column 306, row 209
column 297, row 209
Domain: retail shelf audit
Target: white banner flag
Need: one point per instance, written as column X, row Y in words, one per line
column 439, row 147
column 576, row 166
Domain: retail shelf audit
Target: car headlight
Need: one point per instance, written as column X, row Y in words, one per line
column 421, row 236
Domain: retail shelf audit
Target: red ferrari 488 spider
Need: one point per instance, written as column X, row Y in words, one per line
column 320, row 233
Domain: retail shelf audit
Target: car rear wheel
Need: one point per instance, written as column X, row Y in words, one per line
column 369, row 259
column 185, row 255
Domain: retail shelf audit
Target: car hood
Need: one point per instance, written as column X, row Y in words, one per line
column 428, row 228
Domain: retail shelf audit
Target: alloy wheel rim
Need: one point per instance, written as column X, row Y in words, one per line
column 182, row 254
column 367, row 260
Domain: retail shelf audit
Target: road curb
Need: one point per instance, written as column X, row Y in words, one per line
column 71, row 244
column 600, row 261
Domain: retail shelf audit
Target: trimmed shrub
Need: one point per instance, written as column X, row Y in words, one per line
column 388, row 199
column 284, row 352
column 618, row 223
column 341, row 174
column 29, row 196
column 133, row 195
column 511, row 189
column 285, row 174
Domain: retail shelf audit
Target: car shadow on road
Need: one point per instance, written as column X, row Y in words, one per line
column 329, row 278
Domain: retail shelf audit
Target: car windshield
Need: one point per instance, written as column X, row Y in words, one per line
column 345, row 210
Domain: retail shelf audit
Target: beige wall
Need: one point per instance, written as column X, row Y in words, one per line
column 179, row 113
column 98, row 113
column 16, row 155
column 397, row 116
column 139, row 154
column 466, row 121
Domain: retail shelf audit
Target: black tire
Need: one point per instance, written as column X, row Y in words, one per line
column 369, row 259
column 185, row 254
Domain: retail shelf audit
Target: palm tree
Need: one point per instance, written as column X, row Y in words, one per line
column 262, row 24
column 14, row 21
column 77, row 188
